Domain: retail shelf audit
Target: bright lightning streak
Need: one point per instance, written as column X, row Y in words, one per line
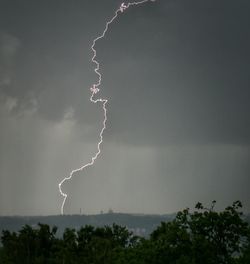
column 94, row 90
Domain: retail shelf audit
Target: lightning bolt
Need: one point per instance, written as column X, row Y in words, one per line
column 94, row 90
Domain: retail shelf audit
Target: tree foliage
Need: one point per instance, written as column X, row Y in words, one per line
column 203, row 236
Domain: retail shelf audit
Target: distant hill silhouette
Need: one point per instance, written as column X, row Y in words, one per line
column 141, row 225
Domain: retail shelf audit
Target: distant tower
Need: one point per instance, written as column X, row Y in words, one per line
column 110, row 211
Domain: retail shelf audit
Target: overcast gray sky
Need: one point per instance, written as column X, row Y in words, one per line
column 177, row 77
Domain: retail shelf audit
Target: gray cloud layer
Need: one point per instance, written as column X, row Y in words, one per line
column 177, row 77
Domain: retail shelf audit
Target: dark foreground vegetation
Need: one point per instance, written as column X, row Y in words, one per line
column 200, row 237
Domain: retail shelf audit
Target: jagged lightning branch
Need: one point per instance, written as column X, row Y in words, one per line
column 94, row 90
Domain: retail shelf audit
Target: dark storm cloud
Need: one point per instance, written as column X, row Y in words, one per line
column 176, row 74
column 9, row 46
column 187, row 70
column 54, row 60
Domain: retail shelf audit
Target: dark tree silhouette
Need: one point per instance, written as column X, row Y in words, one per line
column 203, row 236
